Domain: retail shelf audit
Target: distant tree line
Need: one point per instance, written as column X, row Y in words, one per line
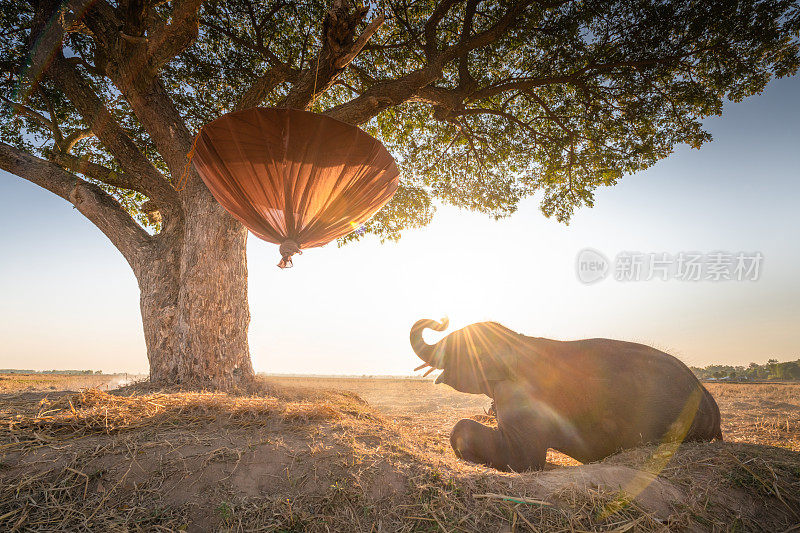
column 65, row 372
column 772, row 369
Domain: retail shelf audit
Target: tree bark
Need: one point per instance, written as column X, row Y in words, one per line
column 194, row 305
column 158, row 300
column 213, row 314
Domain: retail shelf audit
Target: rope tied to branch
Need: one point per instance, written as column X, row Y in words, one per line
column 185, row 174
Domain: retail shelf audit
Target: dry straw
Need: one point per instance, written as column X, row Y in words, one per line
column 300, row 460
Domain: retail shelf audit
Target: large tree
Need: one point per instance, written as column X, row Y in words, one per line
column 481, row 102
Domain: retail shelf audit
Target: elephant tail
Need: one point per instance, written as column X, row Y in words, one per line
column 706, row 425
column 718, row 423
column 715, row 415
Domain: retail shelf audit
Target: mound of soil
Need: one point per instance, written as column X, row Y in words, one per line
column 295, row 460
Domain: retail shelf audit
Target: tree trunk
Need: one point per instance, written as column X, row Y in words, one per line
column 194, row 300
column 192, row 275
column 158, row 299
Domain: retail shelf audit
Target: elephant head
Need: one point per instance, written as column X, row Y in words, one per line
column 470, row 358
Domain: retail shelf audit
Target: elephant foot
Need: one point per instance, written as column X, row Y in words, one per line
column 468, row 440
column 477, row 443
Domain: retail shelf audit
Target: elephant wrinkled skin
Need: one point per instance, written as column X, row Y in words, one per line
column 587, row 398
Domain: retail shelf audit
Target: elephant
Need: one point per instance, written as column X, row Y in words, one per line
column 586, row 398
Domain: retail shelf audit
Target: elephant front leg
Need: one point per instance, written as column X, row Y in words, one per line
column 474, row 442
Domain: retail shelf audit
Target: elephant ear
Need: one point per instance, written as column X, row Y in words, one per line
column 475, row 374
column 500, row 366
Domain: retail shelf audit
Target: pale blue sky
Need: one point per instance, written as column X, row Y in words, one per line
column 69, row 300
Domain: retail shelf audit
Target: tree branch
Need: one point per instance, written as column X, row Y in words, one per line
column 33, row 115
column 338, row 45
column 521, row 84
column 264, row 85
column 130, row 70
column 550, row 113
column 153, row 106
column 490, row 35
column 432, row 25
column 98, row 172
column 385, row 94
column 48, row 59
column 94, row 203
column 168, row 40
column 66, row 145
column 362, row 40
column 51, row 22
column 111, row 135
column 465, row 79
column 266, row 53
column 508, row 116
column 588, row 70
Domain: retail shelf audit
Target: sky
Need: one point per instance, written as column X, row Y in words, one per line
column 69, row 300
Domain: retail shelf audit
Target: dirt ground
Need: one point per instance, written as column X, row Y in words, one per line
column 308, row 454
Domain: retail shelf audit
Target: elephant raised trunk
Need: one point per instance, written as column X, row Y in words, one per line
column 428, row 352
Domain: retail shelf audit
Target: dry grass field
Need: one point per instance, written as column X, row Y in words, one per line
column 753, row 413
column 53, row 382
column 308, row 454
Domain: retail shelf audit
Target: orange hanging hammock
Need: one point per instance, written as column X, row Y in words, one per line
column 294, row 178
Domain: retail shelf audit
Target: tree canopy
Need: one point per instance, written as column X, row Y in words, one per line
column 482, row 103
